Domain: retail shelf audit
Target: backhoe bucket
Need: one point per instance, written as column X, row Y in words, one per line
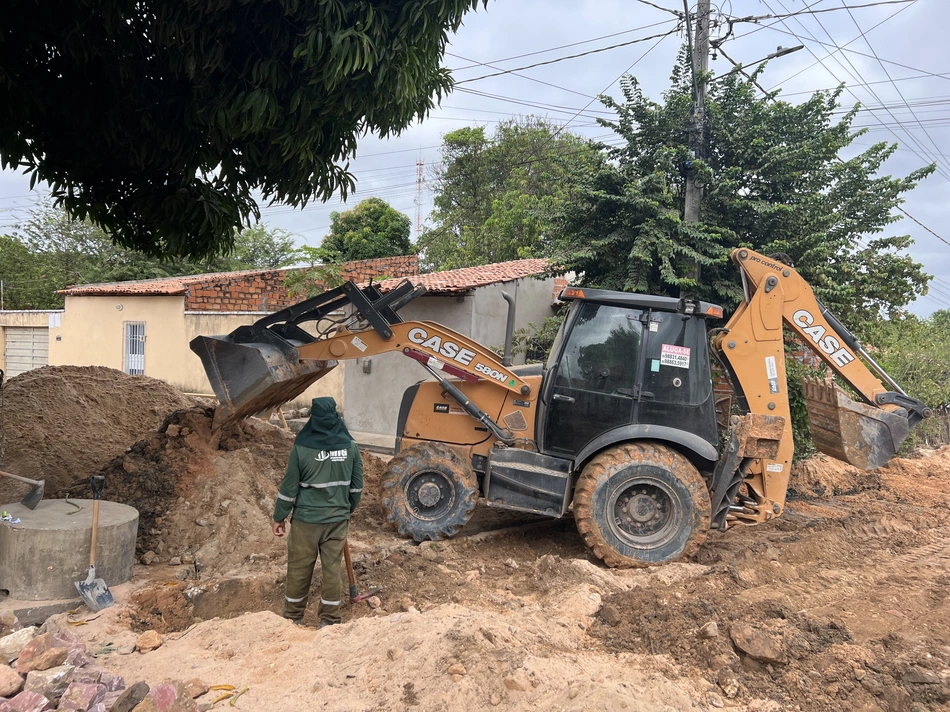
column 853, row 432
column 252, row 371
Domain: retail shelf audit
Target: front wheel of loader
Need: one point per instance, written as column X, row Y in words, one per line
column 429, row 491
column 640, row 504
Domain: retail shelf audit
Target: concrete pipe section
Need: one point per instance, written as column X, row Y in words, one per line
column 43, row 555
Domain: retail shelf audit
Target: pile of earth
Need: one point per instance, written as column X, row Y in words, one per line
column 205, row 499
column 62, row 423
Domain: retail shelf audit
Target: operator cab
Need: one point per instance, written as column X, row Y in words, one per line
column 627, row 367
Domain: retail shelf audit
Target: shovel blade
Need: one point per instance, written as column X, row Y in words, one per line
column 853, row 432
column 34, row 496
column 94, row 592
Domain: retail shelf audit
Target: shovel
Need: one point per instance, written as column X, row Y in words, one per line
column 95, row 594
column 355, row 595
column 35, row 495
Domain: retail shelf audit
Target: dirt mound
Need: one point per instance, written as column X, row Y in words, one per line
column 206, row 499
column 61, row 423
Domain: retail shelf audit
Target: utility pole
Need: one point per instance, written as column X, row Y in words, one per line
column 419, row 185
column 697, row 123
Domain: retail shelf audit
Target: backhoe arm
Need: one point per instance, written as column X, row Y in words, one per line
column 866, row 434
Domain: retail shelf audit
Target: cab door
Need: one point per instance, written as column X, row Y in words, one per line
column 591, row 380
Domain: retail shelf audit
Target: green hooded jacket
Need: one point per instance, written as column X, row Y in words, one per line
column 324, row 479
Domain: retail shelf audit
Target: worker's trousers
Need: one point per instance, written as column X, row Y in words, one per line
column 304, row 542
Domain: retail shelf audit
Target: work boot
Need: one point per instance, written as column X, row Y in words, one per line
column 324, row 624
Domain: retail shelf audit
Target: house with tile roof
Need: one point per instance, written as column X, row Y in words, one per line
column 145, row 326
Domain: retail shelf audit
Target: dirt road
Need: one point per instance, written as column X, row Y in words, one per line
column 841, row 604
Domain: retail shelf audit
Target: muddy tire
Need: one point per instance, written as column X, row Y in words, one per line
column 429, row 491
column 641, row 504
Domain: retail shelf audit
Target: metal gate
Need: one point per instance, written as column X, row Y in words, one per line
column 134, row 348
column 25, row 348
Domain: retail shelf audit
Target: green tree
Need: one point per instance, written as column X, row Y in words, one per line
column 773, row 182
column 496, row 196
column 50, row 251
column 158, row 120
column 372, row 229
column 260, row 247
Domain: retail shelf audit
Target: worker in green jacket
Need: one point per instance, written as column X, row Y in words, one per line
column 323, row 485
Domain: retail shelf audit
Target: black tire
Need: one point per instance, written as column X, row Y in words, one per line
column 641, row 504
column 429, row 491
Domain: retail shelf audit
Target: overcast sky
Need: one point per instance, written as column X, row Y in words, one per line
column 905, row 91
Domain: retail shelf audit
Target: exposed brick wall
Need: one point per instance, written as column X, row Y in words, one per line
column 265, row 290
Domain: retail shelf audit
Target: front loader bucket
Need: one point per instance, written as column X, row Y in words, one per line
column 255, row 373
column 853, row 432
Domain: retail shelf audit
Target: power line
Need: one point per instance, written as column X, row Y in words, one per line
column 572, row 56
column 554, row 49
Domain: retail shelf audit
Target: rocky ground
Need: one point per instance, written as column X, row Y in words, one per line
column 840, row 604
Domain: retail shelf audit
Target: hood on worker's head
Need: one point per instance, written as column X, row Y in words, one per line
column 325, row 430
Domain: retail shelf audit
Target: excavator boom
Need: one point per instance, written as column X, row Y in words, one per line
column 865, row 434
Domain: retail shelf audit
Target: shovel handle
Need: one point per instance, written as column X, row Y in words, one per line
column 22, row 479
column 350, row 575
column 97, row 482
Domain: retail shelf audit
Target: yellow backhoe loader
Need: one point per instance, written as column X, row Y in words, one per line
column 618, row 427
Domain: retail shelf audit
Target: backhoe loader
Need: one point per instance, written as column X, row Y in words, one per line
column 619, row 426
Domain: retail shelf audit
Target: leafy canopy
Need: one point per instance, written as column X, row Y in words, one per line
column 158, row 121
column 773, row 182
column 496, row 196
column 50, row 251
column 372, row 229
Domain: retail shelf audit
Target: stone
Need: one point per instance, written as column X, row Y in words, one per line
column 610, row 615
column 10, row 681
column 50, row 683
column 149, row 640
column 457, row 669
column 916, row 676
column 125, row 649
column 174, row 561
column 12, row 645
column 710, row 630
column 50, row 659
column 756, row 643
column 167, row 697
column 513, row 685
column 173, row 431
column 28, row 701
column 715, row 700
column 495, row 699
column 89, row 676
column 148, row 558
column 8, row 623
column 728, row 682
column 81, row 696
column 130, row 699
column 112, row 683
column 374, row 602
column 511, row 564
column 33, row 650
column 196, row 688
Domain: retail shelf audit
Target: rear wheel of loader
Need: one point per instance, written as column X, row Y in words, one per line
column 639, row 504
column 429, row 491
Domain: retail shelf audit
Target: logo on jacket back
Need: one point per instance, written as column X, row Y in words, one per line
column 332, row 455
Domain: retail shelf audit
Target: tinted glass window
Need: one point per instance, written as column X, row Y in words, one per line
column 677, row 365
column 603, row 351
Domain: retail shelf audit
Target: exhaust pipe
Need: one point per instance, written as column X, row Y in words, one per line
column 509, row 328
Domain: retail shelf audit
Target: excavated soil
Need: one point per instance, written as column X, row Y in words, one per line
column 60, row 423
column 840, row 604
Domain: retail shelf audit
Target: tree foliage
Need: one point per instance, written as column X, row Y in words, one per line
column 496, row 196
column 157, row 121
column 372, row 229
column 773, row 182
column 50, row 251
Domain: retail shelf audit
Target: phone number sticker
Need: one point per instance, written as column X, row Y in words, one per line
column 677, row 356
